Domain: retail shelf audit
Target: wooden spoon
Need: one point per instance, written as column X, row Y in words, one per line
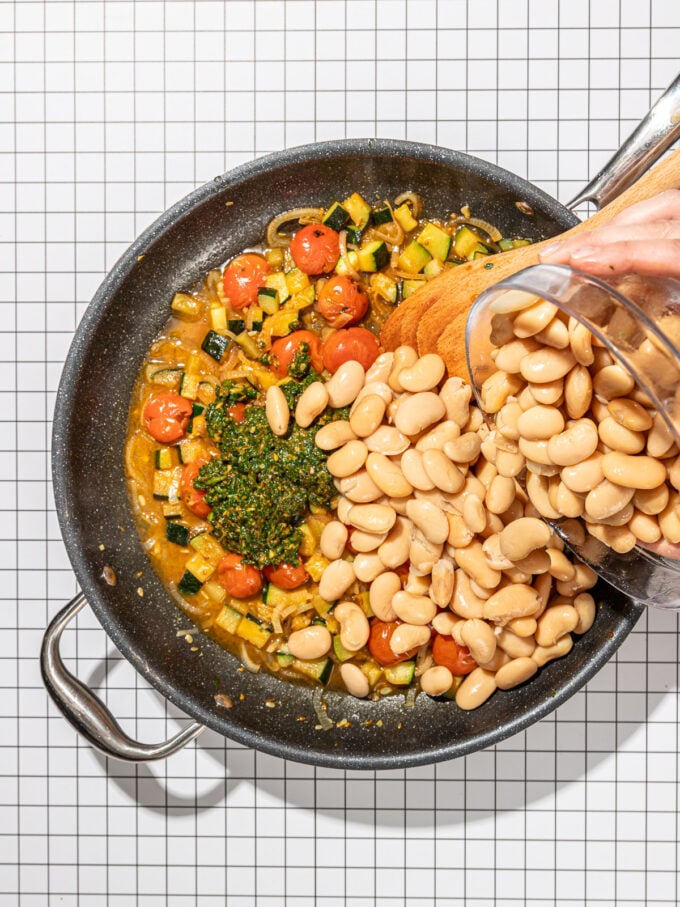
column 433, row 319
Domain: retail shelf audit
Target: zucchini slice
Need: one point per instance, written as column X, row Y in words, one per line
column 359, row 209
column 268, row 300
column 436, row 241
column 189, row 584
column 214, row 345
column 228, row 619
column 373, row 256
column 382, row 216
column 177, row 533
column 319, row 670
column 336, row 217
column 400, row 675
column 414, row 258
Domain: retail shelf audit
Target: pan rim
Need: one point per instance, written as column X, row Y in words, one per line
column 83, row 570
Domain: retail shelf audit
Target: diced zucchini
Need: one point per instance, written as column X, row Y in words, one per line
column 364, row 602
column 432, row 268
column 354, row 235
column 194, row 364
column 214, row 345
column 248, row 345
column 481, row 251
column 189, row 584
column 254, row 318
column 177, row 533
column 319, row 670
column 372, row 670
column 172, row 510
column 373, row 256
column 274, row 257
column 436, row 241
column 215, row 591
column 277, row 281
column 315, row 566
column 163, row 480
column 505, row 244
column 274, row 596
column 341, row 653
column 218, row 318
column 382, row 216
column 465, row 242
column 385, row 287
column 296, row 281
column 166, row 377
column 184, row 304
column 188, row 386
column 359, row 209
column 400, row 675
column 320, row 605
column 198, row 427
column 308, row 543
column 201, row 568
column 268, row 299
column 208, row 546
column 228, row 619
column 405, row 218
column 163, row 458
column 410, row 286
column 190, row 449
column 414, row 258
column 236, row 325
column 352, row 257
column 284, row 659
column 254, row 631
column 336, row 217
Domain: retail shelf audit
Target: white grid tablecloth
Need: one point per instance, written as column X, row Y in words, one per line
column 110, row 111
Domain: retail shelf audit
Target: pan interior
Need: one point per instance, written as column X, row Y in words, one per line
column 213, row 224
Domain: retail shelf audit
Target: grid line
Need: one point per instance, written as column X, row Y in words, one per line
column 110, row 111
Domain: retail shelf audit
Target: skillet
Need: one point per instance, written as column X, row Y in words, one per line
column 198, row 233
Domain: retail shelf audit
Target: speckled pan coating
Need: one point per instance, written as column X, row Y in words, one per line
column 90, row 423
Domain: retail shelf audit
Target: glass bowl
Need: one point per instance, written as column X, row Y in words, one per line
column 637, row 319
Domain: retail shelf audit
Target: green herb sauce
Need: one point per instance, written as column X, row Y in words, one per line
column 261, row 486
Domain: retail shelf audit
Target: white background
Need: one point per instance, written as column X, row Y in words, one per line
column 110, row 112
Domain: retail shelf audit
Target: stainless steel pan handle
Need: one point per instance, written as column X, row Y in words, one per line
column 86, row 712
column 655, row 133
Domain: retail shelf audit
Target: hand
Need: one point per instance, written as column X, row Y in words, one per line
column 643, row 239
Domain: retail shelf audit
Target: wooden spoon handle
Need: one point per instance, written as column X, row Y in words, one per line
column 666, row 175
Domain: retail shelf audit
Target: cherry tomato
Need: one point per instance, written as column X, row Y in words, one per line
column 342, row 301
column 350, row 343
column 285, row 576
column 315, row 249
column 284, row 349
column 447, row 652
column 193, row 498
column 379, row 643
column 166, row 416
column 243, row 277
column 237, row 412
column 239, row 579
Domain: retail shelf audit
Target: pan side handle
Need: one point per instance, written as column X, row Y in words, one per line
column 655, row 133
column 86, row 712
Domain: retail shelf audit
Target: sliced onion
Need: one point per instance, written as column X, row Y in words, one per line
column 320, row 710
column 415, row 200
column 390, row 233
column 301, row 215
column 345, row 257
column 492, row 232
column 247, row 661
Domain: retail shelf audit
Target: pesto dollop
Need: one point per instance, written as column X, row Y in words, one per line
column 262, row 486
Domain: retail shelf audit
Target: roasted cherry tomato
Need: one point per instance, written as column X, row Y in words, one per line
column 286, row 576
column 237, row 412
column 379, row 643
column 239, row 579
column 284, row 349
column 350, row 343
column 315, row 249
column 342, row 301
column 166, row 416
column 447, row 652
column 243, row 277
column 193, row 498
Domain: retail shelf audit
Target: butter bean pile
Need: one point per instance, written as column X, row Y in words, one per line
column 422, row 479
column 591, row 441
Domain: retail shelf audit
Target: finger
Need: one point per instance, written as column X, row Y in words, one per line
column 656, row 258
column 664, row 206
column 561, row 251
